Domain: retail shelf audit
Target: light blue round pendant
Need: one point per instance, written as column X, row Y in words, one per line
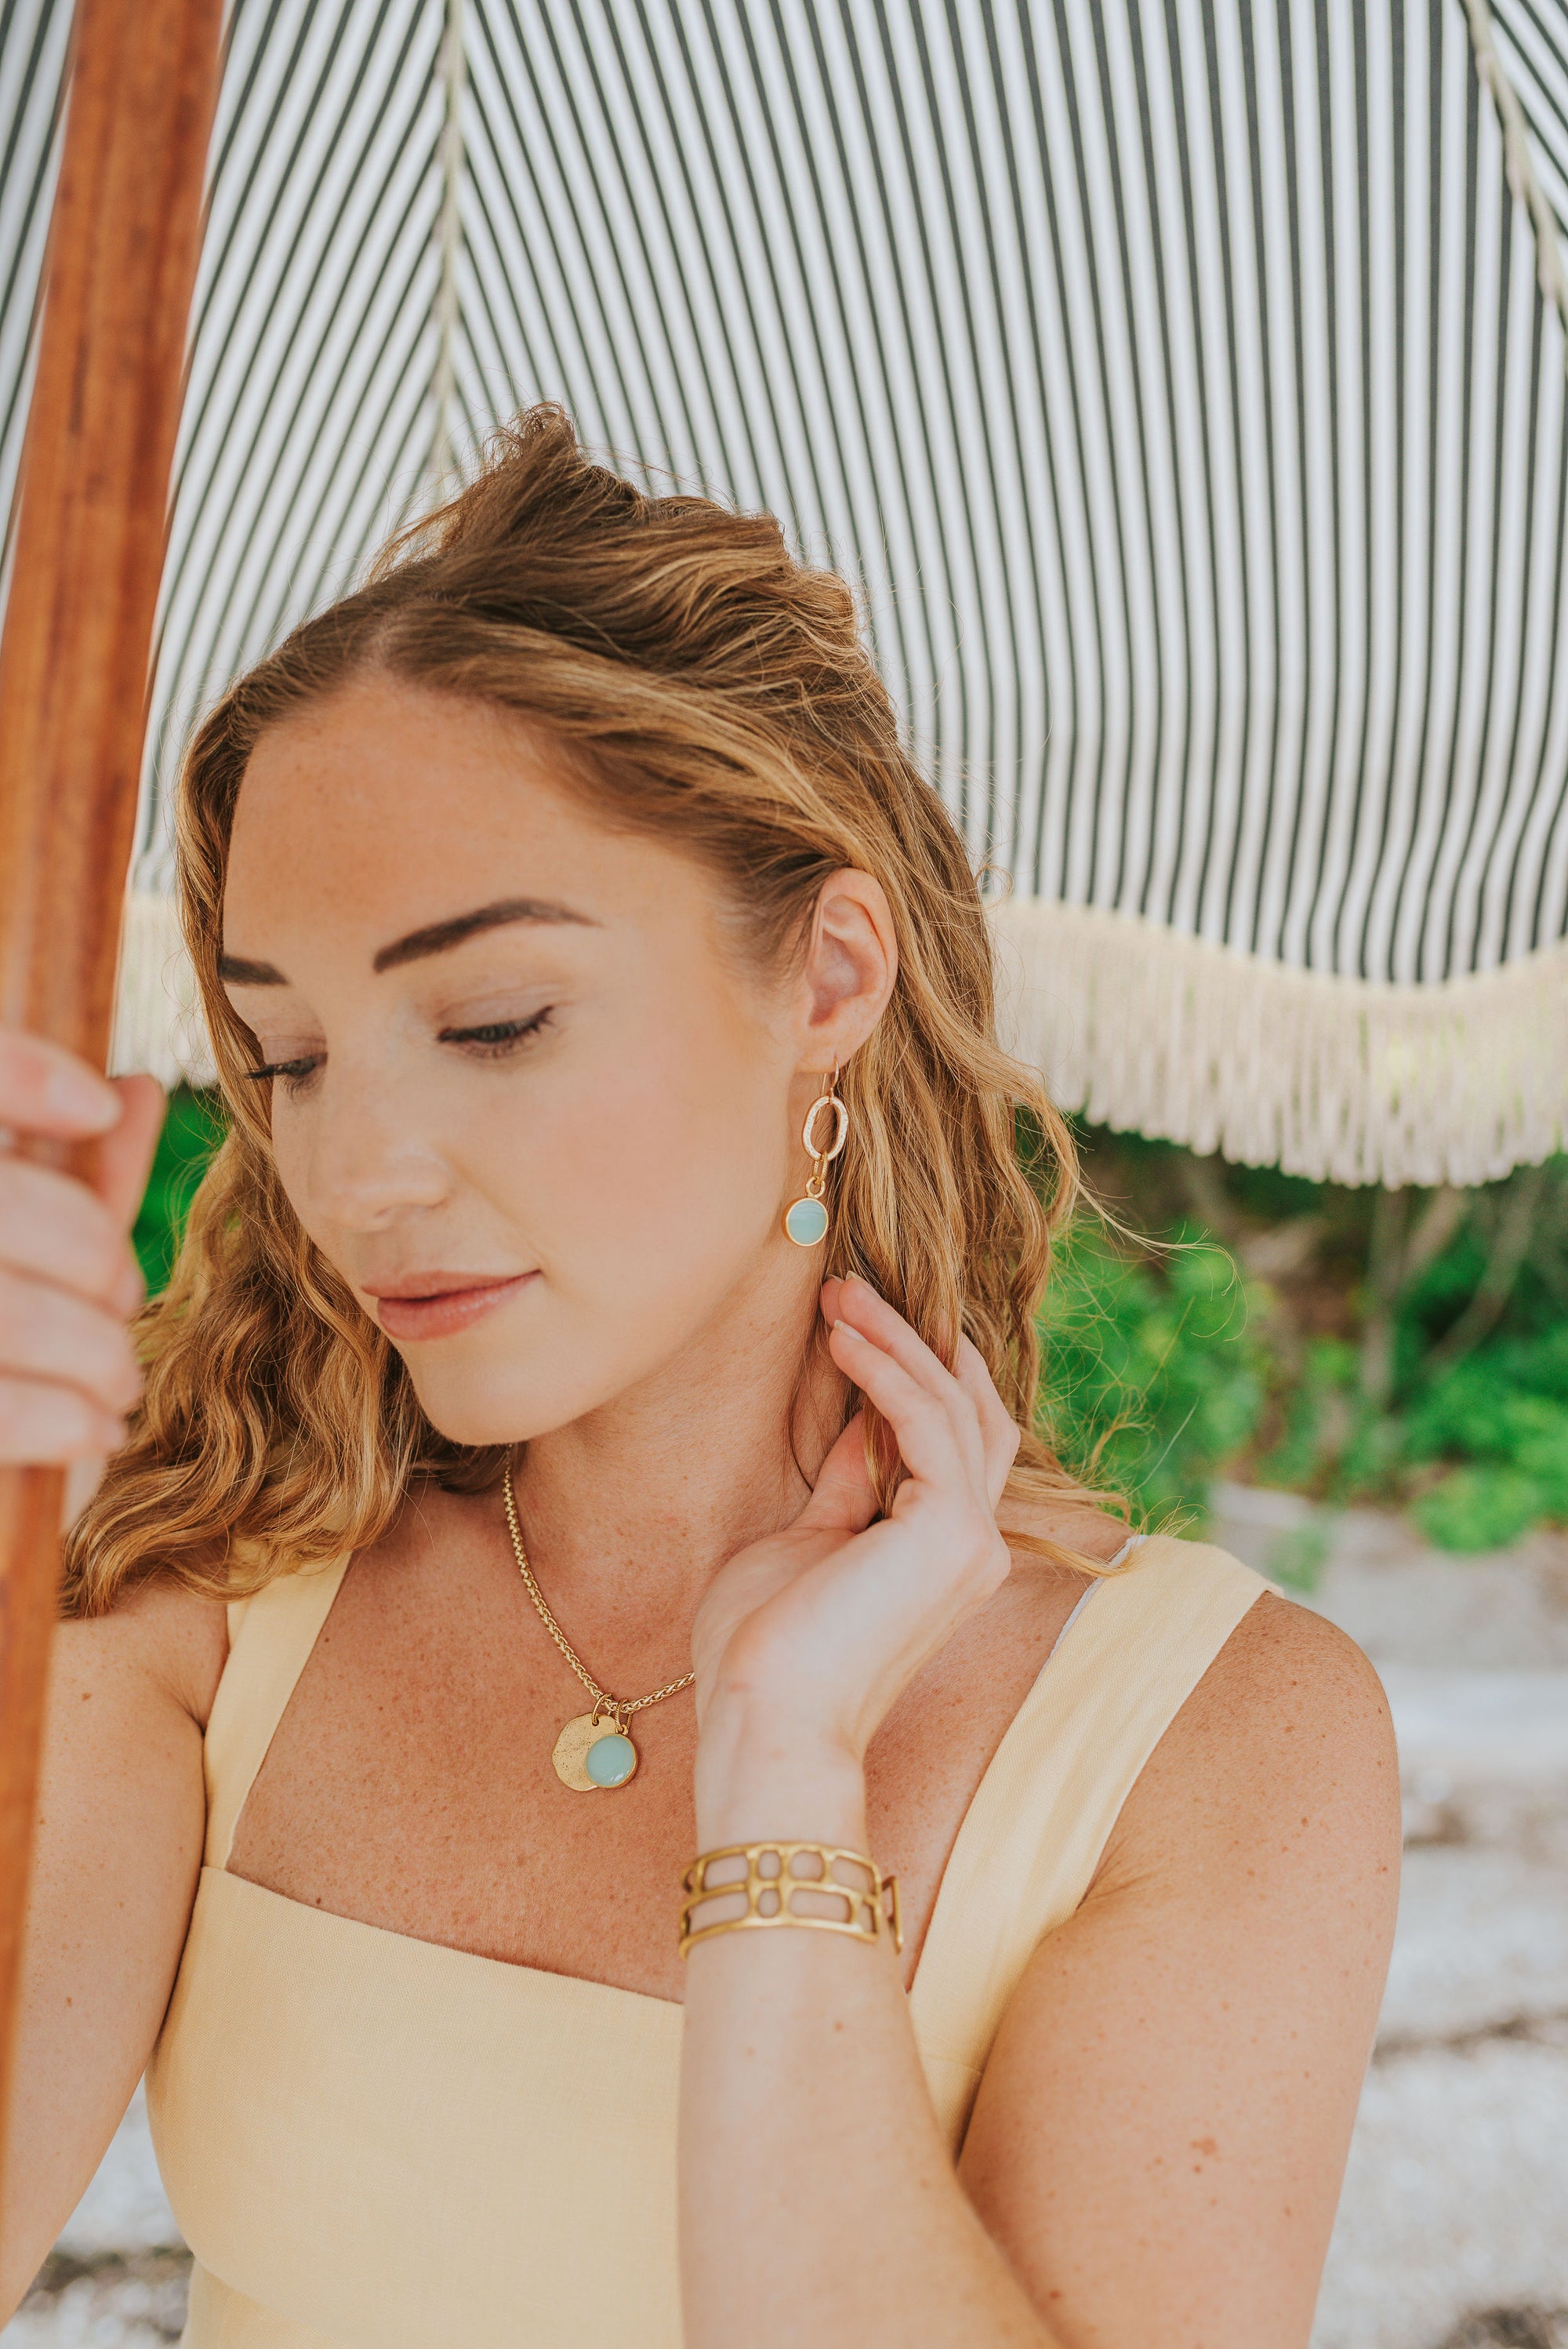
column 806, row 1223
column 611, row 1760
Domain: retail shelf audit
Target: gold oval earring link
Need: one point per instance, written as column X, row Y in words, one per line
column 840, row 1128
column 805, row 1218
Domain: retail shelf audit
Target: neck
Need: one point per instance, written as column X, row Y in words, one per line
column 644, row 1500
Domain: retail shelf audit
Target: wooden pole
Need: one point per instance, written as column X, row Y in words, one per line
column 91, row 524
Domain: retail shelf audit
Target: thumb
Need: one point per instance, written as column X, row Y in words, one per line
column 842, row 1495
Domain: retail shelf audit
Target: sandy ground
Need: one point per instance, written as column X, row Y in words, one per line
column 1453, row 2227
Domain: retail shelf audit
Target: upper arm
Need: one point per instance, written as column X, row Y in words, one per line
column 120, row 1823
column 1161, row 2133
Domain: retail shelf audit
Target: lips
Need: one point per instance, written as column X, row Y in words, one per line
column 452, row 1301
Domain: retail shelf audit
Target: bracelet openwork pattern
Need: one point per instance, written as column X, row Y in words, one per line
column 770, row 1883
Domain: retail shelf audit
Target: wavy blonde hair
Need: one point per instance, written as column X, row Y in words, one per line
column 709, row 691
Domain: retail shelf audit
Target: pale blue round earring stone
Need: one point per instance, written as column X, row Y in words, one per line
column 807, row 1222
column 611, row 1760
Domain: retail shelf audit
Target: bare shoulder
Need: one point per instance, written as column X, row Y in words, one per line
column 1161, row 2133
column 1286, row 1684
column 1285, row 1746
column 160, row 1643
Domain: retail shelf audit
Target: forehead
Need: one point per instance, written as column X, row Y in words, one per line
column 384, row 807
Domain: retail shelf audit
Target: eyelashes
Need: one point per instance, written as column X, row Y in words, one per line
column 492, row 1040
column 497, row 1040
column 292, row 1072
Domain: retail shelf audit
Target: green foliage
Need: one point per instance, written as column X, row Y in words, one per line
column 192, row 1130
column 1154, row 1374
column 1477, row 1448
column 1412, row 1347
column 1503, row 1413
column 1315, row 1418
column 1479, row 1508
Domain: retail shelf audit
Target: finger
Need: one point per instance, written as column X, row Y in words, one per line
column 47, row 1334
column 842, row 1495
column 1000, row 1434
column 48, row 1426
column 875, row 1317
column 45, row 1091
column 125, row 1152
column 857, row 1302
column 927, row 1437
column 56, row 1229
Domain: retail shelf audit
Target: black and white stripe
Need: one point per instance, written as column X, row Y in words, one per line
column 1533, row 42
column 1172, row 378
column 32, row 43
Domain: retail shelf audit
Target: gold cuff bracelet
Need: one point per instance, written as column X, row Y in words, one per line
column 771, row 1882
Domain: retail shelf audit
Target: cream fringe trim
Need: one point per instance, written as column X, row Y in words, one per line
column 1142, row 1027
column 1339, row 1079
column 157, row 1023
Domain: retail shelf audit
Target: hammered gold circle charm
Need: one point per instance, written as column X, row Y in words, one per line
column 572, row 1752
column 615, row 1756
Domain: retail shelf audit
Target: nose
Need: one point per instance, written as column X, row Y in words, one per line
column 369, row 1161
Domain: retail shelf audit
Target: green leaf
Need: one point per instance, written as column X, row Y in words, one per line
column 192, row 1129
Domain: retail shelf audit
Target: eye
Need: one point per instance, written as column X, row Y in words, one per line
column 294, row 1073
column 495, row 1040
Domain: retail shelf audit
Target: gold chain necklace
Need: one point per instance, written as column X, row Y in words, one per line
column 595, row 1749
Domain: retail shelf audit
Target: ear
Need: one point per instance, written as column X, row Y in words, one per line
column 852, row 962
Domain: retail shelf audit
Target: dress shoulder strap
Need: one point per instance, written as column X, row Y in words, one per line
column 1032, row 1838
column 270, row 1635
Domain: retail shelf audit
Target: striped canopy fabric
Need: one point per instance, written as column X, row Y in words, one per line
column 1180, row 383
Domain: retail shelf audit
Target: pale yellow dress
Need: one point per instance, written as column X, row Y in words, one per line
column 371, row 2142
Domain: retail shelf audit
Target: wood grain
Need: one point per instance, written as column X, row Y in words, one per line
column 91, row 528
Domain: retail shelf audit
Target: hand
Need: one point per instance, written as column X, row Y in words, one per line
column 804, row 1640
column 68, row 1281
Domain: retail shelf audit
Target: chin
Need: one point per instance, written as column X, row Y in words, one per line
column 497, row 1411
column 477, row 1421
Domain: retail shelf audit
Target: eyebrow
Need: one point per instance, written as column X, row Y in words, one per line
column 436, row 937
column 235, row 971
column 439, row 937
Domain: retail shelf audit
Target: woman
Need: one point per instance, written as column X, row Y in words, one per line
column 526, row 1502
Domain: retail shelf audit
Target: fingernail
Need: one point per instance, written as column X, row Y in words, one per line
column 74, row 1093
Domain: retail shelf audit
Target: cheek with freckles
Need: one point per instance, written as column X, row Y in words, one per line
column 644, row 1181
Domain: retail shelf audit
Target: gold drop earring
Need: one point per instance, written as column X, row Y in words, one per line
column 805, row 1218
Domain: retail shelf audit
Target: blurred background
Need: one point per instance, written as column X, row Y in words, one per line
column 1363, row 1393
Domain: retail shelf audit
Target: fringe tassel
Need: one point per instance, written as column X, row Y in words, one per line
column 157, row 1023
column 1342, row 1079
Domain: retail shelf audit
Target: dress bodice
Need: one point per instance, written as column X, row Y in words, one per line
column 374, row 2142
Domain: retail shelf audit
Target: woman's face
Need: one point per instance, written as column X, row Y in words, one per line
column 528, row 1098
